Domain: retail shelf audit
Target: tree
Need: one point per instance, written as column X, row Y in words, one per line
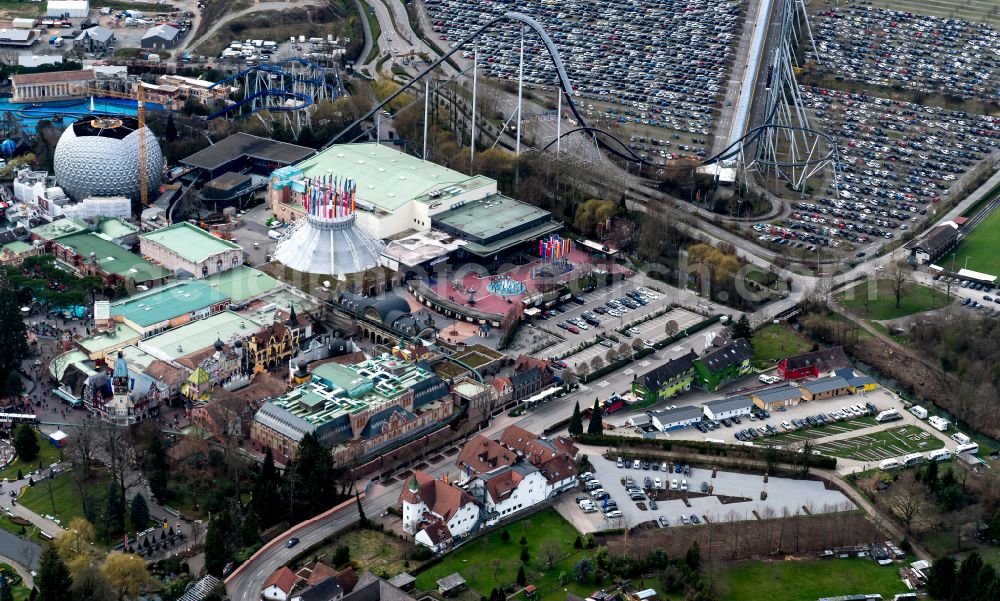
column 250, row 532
column 26, row 443
column 5, row 589
column 216, row 550
column 156, row 468
column 312, row 487
column 637, row 344
column 575, row 422
column 114, row 516
column 596, row 363
column 583, row 569
column 13, row 338
column 521, row 579
column 505, row 536
column 341, row 556
column 550, row 551
column 741, row 328
column 596, row 425
column 361, row 511
column 266, row 499
column 171, row 129
column 693, row 557
column 76, row 541
column 89, row 584
column 53, row 580
column 671, row 328
column 525, row 556
column 126, row 573
column 967, row 578
column 907, row 500
column 139, row 512
column 899, row 277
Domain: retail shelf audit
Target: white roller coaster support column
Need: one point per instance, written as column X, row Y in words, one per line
column 520, row 87
column 378, row 128
column 558, row 123
column 427, row 96
column 472, row 127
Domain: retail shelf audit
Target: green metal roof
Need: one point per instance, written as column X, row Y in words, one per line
column 17, row 246
column 167, row 302
column 58, row 228
column 189, row 241
column 100, row 342
column 195, row 336
column 116, row 228
column 241, row 283
column 113, row 258
column 386, row 177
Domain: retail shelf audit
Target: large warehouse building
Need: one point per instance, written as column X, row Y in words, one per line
column 400, row 195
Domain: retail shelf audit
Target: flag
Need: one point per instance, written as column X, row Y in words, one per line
column 541, row 248
column 126, row 540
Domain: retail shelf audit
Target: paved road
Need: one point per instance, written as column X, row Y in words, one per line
column 192, row 44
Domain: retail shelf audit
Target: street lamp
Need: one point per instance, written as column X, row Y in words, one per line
column 967, row 261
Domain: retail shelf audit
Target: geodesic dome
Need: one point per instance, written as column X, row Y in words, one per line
column 99, row 156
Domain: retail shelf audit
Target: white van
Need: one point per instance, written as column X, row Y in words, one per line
column 939, row 455
column 888, row 464
column 919, row 411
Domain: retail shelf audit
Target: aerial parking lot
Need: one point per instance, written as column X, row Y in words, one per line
column 898, row 160
column 677, row 495
column 893, row 48
column 660, row 63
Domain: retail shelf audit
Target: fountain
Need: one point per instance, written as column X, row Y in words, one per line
column 505, row 286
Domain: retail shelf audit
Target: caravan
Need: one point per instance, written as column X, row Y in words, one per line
column 919, row 411
column 888, row 465
column 939, row 455
column 912, row 459
column 970, row 448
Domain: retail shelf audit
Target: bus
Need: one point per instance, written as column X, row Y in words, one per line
column 18, row 418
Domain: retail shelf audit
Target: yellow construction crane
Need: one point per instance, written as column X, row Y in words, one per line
column 140, row 105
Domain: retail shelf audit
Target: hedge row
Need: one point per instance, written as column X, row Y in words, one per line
column 704, row 448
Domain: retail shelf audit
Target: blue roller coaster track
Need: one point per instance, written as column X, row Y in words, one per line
column 305, row 86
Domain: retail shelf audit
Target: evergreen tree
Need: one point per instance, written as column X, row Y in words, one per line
column 930, row 475
column 5, row 589
column 361, row 511
column 741, row 328
column 13, row 339
column 313, row 488
column 26, row 443
column 171, row 129
column 53, row 580
column 596, row 425
column 576, row 421
column 341, row 555
column 966, row 581
column 216, row 550
column 156, row 469
column 266, row 499
column 941, row 579
column 521, row 579
column 114, row 514
column 693, row 557
column 251, row 528
column 139, row 512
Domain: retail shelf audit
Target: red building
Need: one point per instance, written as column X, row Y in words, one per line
column 811, row 365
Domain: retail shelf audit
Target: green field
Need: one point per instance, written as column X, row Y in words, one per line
column 777, row 341
column 882, row 302
column 795, row 436
column 47, row 455
column 980, row 247
column 485, row 565
column 64, row 502
column 808, row 580
column 883, row 444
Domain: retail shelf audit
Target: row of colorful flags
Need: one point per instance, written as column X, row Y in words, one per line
column 554, row 247
column 329, row 196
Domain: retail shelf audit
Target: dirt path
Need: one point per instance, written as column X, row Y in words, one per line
column 191, row 44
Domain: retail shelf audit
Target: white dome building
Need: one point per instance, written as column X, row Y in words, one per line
column 99, row 156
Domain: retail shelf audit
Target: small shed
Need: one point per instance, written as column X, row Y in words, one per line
column 403, row 581
column 449, row 585
column 58, row 439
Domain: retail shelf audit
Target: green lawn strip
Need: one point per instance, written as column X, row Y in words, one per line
column 883, row 444
column 375, row 29
column 492, row 563
column 777, row 341
column 30, row 531
column 915, row 299
column 47, row 455
column 979, row 247
column 823, row 431
column 65, row 495
column 806, row 580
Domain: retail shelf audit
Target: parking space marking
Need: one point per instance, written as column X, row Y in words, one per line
column 604, row 383
column 645, row 364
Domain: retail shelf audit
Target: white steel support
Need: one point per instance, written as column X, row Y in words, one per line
column 472, row 127
column 520, row 89
column 427, row 98
column 559, row 123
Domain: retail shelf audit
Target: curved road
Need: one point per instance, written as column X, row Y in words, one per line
column 192, row 44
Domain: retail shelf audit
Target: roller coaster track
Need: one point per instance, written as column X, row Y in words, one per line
column 276, row 69
column 289, row 85
column 564, row 84
column 305, row 99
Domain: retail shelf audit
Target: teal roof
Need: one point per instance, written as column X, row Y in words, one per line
column 195, row 336
column 167, row 302
column 17, row 246
column 59, row 228
column 116, row 228
column 98, row 343
column 241, row 283
column 386, row 177
column 112, row 258
column 190, row 242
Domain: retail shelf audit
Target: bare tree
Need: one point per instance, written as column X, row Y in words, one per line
column 898, row 274
column 907, row 500
column 550, row 551
column 671, row 328
column 637, row 344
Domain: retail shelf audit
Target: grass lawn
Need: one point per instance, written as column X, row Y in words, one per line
column 374, row 552
column 488, row 561
column 10, row 8
column 29, row 532
column 47, row 455
column 882, row 305
column 822, row 431
column 777, row 341
column 980, row 247
column 65, row 496
column 883, row 444
column 771, row 581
